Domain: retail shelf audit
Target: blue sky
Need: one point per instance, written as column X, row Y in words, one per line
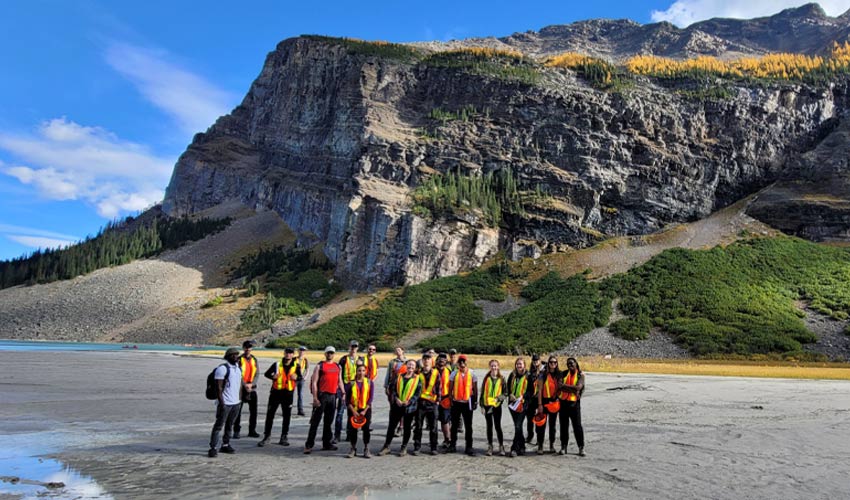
column 99, row 98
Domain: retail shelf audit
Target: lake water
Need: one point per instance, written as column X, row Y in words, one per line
column 25, row 345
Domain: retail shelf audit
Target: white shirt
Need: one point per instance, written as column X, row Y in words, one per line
column 233, row 386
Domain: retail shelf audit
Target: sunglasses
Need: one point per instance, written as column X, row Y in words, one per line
column 553, row 362
column 372, row 350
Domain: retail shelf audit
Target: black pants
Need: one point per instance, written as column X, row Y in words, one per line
column 462, row 410
column 283, row 399
column 251, row 399
column 530, row 410
column 552, row 423
column 399, row 414
column 426, row 414
column 325, row 411
column 352, row 432
column 571, row 412
column 518, row 444
column 493, row 416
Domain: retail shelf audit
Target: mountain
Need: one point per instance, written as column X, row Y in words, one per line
column 335, row 135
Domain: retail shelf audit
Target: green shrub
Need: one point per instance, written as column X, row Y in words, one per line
column 213, row 302
column 395, row 51
column 492, row 195
column 271, row 310
column 501, row 65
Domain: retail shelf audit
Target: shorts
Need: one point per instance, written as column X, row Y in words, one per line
column 444, row 415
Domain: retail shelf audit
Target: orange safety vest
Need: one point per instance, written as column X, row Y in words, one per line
column 492, row 389
column 349, row 370
column 445, row 375
column 358, row 399
column 371, row 368
column 428, row 387
column 285, row 379
column 549, row 387
column 405, row 387
column 462, row 391
column 249, row 369
column 570, row 379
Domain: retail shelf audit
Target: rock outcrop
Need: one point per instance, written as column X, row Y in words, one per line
column 334, row 139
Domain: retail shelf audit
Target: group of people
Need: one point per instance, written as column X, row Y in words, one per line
column 437, row 393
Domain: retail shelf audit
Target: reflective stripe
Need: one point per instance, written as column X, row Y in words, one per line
column 405, row 389
column 462, row 389
column 350, row 370
column 358, row 399
column 570, row 379
column 492, row 390
column 371, row 368
column 428, row 387
column 249, row 373
column 285, row 380
column 549, row 386
column 519, row 389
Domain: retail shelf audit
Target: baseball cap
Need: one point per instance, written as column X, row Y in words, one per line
column 535, row 357
column 353, row 343
column 302, row 348
column 289, row 350
column 231, row 350
column 330, row 348
column 452, row 351
column 248, row 344
column 462, row 357
column 442, row 355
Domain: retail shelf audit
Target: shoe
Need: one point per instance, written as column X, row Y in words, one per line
column 227, row 449
column 581, row 452
column 212, row 453
column 307, row 451
column 301, row 414
column 397, row 432
column 331, row 447
column 235, row 435
column 384, row 451
column 551, row 448
column 562, row 451
column 367, row 453
column 445, row 445
column 489, row 451
column 513, row 454
column 528, row 440
column 451, row 449
column 351, row 453
column 264, row 442
column 334, row 441
column 283, row 442
column 415, row 451
column 470, row 452
column 253, row 434
column 433, row 451
column 403, row 452
column 521, row 453
column 502, row 450
column 540, row 450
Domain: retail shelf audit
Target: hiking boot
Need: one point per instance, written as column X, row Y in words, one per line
column 451, row 449
column 552, row 448
column 540, row 449
column 331, row 447
column 227, row 449
column 403, row 451
column 367, row 453
column 562, row 451
column 502, row 450
column 351, row 453
column 283, row 441
column 334, row 440
column 264, row 442
column 415, row 451
column 236, row 435
column 307, row 451
column 513, row 454
column 212, row 453
column 581, row 452
column 529, row 440
column 253, row 434
column 445, row 445
column 384, row 451
column 301, row 414
column 489, row 451
column 470, row 452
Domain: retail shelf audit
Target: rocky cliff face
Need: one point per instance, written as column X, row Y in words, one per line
column 333, row 140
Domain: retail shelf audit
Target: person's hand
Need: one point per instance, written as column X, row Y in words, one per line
column 511, row 398
column 539, row 410
column 474, row 405
column 316, row 403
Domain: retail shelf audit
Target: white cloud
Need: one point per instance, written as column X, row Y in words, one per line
column 686, row 12
column 192, row 101
column 29, row 231
column 68, row 161
column 39, row 241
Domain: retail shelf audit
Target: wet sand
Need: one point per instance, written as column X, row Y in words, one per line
column 138, row 425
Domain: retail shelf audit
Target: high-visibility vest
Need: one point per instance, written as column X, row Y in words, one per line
column 428, row 387
column 405, row 387
column 445, row 376
column 349, row 371
column 462, row 389
column 249, row 369
column 535, row 377
column 285, row 377
column 371, row 368
column 570, row 379
column 550, row 387
column 359, row 399
column 519, row 384
column 303, row 362
column 492, row 390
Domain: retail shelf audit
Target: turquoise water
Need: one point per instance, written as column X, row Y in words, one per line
column 26, row 345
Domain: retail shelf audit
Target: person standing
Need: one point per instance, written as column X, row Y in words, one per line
column 405, row 396
column 228, row 378
column 572, row 387
column 249, row 366
column 547, row 399
column 520, row 391
column 464, row 390
column 426, row 412
column 394, row 369
column 371, row 362
column 283, row 375
column 531, row 406
column 348, row 370
column 444, row 413
column 452, row 359
column 304, row 367
column 358, row 398
column 493, row 393
column 324, row 384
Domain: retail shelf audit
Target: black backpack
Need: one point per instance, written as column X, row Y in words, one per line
column 212, row 385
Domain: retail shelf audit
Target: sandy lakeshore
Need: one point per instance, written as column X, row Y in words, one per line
column 137, row 424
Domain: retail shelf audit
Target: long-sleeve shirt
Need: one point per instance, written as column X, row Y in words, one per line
column 414, row 398
column 497, row 385
column 392, row 369
column 271, row 373
column 514, row 385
